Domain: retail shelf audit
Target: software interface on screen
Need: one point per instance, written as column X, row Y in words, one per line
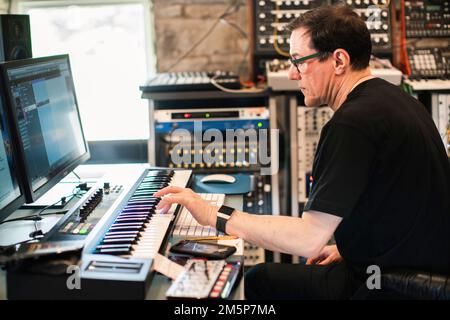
column 9, row 187
column 47, row 115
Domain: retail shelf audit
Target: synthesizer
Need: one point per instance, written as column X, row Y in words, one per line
column 120, row 232
column 190, row 81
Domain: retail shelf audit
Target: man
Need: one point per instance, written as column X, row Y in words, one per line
column 381, row 176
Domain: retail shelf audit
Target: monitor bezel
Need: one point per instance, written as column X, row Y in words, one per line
column 20, row 200
column 31, row 195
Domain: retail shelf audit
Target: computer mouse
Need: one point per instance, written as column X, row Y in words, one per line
column 218, row 178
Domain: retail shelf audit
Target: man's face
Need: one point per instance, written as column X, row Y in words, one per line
column 315, row 77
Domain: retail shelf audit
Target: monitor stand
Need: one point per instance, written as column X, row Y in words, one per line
column 54, row 195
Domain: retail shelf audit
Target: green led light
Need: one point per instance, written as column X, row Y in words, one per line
column 82, row 231
column 207, row 115
column 259, row 124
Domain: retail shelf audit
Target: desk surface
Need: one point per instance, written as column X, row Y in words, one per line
column 15, row 232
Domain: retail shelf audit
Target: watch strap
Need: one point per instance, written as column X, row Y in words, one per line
column 223, row 214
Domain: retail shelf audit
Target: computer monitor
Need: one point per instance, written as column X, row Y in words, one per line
column 11, row 195
column 44, row 107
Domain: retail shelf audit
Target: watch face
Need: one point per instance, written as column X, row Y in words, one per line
column 226, row 210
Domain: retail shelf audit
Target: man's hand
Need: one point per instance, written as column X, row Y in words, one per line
column 329, row 254
column 201, row 210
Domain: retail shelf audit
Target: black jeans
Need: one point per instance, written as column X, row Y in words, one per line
column 300, row 282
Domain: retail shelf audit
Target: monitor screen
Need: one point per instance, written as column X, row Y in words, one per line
column 11, row 196
column 42, row 95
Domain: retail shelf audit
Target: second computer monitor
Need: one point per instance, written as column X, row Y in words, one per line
column 42, row 97
column 11, row 195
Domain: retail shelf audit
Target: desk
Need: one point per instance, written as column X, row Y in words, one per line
column 19, row 231
column 160, row 284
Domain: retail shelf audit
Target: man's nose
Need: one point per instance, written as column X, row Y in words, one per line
column 293, row 73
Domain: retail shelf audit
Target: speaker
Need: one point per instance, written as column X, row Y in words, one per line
column 15, row 37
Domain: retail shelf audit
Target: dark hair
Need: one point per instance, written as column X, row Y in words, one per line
column 333, row 27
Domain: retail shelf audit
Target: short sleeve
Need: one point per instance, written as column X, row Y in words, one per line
column 341, row 170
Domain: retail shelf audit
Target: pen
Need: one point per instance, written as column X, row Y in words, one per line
column 212, row 238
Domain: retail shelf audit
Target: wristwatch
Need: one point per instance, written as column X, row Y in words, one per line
column 223, row 214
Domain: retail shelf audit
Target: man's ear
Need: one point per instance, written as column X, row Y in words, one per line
column 341, row 60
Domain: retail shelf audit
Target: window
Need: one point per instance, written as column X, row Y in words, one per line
column 108, row 44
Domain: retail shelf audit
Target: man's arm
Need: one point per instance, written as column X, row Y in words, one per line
column 304, row 236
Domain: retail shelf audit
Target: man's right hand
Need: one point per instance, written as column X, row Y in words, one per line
column 329, row 254
column 201, row 210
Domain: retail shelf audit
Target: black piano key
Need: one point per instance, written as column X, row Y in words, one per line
column 142, row 202
column 146, row 192
column 147, row 198
column 125, row 220
column 113, row 246
column 114, row 251
column 153, row 184
column 130, row 233
column 134, row 237
column 131, row 224
column 126, row 228
column 148, row 204
column 136, row 205
column 129, row 240
column 134, row 213
column 132, row 216
column 138, row 208
column 128, row 216
column 137, row 224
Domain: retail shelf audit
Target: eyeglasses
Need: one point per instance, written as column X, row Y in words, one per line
column 299, row 63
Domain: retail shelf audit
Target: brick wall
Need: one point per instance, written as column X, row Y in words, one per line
column 181, row 23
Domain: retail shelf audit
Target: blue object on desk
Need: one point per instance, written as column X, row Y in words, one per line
column 240, row 186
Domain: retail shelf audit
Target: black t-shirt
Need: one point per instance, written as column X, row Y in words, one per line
column 381, row 166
